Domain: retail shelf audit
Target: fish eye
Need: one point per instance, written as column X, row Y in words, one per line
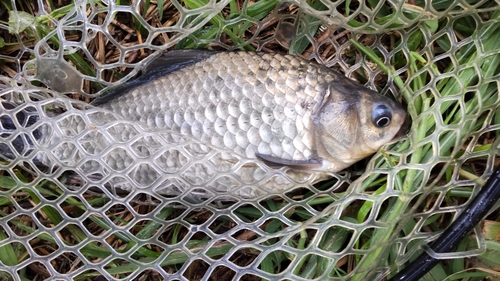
column 381, row 116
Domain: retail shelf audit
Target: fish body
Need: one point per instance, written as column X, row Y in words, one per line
column 280, row 109
column 207, row 124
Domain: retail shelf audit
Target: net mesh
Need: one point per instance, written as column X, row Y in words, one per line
column 63, row 201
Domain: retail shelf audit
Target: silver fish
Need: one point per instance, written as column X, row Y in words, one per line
column 279, row 109
column 232, row 114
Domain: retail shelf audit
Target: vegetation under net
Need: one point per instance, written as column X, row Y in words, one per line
column 441, row 64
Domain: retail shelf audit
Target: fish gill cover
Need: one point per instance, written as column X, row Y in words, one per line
column 439, row 58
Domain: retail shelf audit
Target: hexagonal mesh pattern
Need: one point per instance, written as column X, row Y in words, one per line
column 77, row 180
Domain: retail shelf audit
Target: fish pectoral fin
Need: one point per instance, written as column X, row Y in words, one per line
column 276, row 162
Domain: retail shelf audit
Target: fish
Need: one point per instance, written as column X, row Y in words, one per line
column 236, row 115
column 279, row 109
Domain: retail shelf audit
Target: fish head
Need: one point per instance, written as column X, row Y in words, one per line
column 353, row 122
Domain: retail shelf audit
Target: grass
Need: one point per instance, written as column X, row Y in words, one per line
column 400, row 195
column 411, row 181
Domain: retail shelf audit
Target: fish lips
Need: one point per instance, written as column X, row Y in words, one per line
column 404, row 127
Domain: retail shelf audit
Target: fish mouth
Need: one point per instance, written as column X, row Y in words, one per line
column 404, row 127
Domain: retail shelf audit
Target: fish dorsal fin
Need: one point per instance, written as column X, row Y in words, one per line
column 168, row 63
column 276, row 162
column 175, row 60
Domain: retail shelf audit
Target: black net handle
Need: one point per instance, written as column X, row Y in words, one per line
column 468, row 219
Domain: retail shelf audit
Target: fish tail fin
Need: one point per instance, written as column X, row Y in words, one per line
column 16, row 138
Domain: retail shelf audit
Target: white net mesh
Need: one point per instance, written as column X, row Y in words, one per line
column 65, row 213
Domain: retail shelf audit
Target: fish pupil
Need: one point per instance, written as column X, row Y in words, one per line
column 384, row 121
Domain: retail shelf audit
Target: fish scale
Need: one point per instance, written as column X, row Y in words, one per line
column 184, row 101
